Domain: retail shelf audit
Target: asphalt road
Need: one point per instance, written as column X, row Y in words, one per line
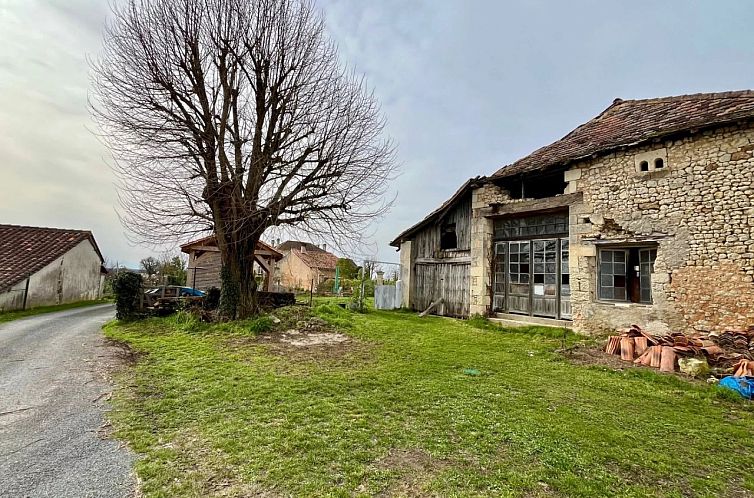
column 52, row 401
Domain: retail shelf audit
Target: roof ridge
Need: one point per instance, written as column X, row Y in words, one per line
column 9, row 225
column 687, row 96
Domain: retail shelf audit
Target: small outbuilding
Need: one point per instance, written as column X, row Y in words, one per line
column 205, row 263
column 48, row 266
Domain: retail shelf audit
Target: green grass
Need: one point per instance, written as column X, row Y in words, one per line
column 7, row 316
column 415, row 407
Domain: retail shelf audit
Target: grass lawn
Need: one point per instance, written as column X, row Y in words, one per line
column 7, row 316
column 227, row 411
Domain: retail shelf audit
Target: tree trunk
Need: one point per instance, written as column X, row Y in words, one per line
column 238, row 296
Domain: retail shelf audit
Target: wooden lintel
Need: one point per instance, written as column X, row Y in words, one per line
column 531, row 205
column 449, row 261
column 205, row 248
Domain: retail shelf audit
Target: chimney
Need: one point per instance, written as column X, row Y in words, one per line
column 324, row 247
column 303, row 247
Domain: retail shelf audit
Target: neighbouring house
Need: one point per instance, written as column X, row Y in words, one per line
column 645, row 214
column 48, row 266
column 305, row 265
column 203, row 271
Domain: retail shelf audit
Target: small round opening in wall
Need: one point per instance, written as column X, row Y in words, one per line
column 644, row 166
column 659, row 163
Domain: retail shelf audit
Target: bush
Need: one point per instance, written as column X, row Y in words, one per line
column 212, row 299
column 261, row 324
column 325, row 287
column 127, row 287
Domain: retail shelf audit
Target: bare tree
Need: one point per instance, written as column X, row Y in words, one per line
column 151, row 267
column 236, row 116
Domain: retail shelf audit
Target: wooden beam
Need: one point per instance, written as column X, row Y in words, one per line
column 531, row 205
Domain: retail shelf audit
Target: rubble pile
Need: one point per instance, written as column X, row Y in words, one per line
column 726, row 353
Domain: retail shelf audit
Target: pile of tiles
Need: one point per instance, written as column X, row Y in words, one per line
column 730, row 351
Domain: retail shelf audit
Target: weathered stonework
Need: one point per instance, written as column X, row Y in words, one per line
column 406, row 273
column 481, row 247
column 699, row 210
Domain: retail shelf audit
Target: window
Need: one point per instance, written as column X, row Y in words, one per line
column 531, row 226
column 653, row 160
column 448, row 238
column 624, row 274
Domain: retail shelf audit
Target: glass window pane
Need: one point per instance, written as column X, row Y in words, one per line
column 619, row 256
column 606, row 256
column 606, row 280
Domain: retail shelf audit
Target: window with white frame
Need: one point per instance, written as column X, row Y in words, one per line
column 624, row 274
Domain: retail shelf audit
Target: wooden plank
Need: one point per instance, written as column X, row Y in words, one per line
column 533, row 205
column 430, row 308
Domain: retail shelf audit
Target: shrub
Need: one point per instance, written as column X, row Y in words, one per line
column 212, row 299
column 261, row 324
column 127, row 287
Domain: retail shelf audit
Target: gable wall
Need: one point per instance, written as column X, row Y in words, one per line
column 75, row 276
column 699, row 208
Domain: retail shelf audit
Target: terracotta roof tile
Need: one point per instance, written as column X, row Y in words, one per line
column 25, row 250
column 318, row 259
column 631, row 122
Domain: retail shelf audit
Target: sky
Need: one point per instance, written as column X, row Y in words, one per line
column 466, row 86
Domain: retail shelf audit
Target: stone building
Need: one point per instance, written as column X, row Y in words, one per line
column 304, row 266
column 644, row 214
column 47, row 266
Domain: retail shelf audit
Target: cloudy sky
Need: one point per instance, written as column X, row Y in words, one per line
column 467, row 86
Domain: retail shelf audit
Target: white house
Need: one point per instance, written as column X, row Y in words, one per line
column 47, row 266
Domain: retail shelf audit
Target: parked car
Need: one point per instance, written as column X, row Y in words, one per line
column 166, row 296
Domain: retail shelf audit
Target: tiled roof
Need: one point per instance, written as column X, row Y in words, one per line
column 211, row 241
column 26, row 250
column 318, row 259
column 631, row 122
column 296, row 244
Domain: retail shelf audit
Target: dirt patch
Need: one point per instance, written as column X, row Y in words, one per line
column 296, row 338
column 414, row 467
column 593, row 356
column 120, row 353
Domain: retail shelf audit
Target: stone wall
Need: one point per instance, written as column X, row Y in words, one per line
column 481, row 247
column 406, row 274
column 698, row 208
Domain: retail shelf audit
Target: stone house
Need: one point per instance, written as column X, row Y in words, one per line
column 203, row 270
column 304, row 265
column 644, row 214
column 48, row 266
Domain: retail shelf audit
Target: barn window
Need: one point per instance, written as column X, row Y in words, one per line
column 659, row 163
column 644, row 166
column 624, row 274
column 448, row 237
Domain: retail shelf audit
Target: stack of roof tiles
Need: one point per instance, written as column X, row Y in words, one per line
column 731, row 351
